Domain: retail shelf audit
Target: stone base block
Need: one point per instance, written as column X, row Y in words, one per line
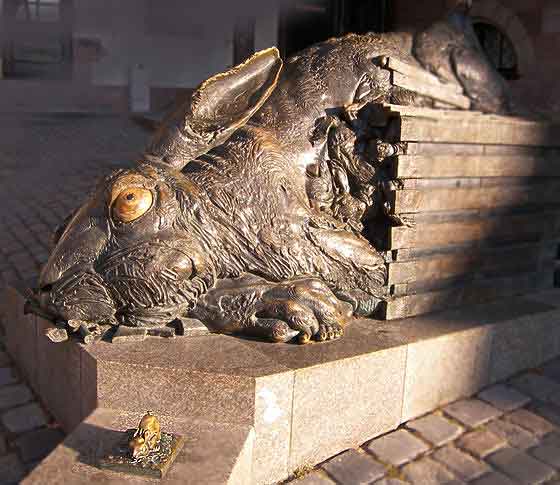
column 213, row 453
column 305, row 403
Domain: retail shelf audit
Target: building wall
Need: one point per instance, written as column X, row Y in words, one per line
column 540, row 20
column 157, row 51
column 178, row 46
column 173, row 47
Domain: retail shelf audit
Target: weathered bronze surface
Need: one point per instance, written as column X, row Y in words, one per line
column 146, row 438
column 145, row 451
column 256, row 206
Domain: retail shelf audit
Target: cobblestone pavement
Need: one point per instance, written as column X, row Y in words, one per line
column 48, row 164
column 27, row 433
column 508, row 434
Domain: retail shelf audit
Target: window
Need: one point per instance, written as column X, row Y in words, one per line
column 499, row 49
column 39, row 11
column 37, row 39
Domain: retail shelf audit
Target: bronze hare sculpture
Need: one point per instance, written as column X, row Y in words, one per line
column 248, row 209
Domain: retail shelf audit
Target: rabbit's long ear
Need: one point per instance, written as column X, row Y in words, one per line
column 217, row 108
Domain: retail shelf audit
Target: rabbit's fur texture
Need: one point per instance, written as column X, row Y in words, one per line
column 259, row 194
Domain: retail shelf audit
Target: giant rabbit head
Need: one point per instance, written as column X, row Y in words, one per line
column 132, row 253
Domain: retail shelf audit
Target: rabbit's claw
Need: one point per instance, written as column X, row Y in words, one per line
column 303, row 309
column 308, row 307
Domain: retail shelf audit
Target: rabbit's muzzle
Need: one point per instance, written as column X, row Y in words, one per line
column 149, row 284
column 129, row 254
column 79, row 295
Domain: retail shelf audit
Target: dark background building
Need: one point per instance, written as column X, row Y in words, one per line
column 102, row 55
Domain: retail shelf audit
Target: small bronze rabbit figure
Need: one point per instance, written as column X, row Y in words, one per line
column 226, row 216
column 146, row 437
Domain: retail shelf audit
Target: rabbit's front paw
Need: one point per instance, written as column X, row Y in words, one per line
column 304, row 308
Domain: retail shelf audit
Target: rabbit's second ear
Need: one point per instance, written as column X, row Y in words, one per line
column 218, row 107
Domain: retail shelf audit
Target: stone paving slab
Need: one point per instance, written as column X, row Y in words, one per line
column 35, row 445
column 481, row 442
column 14, row 395
column 398, row 447
column 521, row 467
column 554, row 398
column 472, row 412
column 461, row 464
column 24, row 418
column 547, row 411
column 552, row 369
column 11, row 470
column 436, row 429
column 493, row 478
column 429, row 472
column 538, row 386
column 504, row 397
column 515, row 436
column 354, row 468
column 547, row 454
column 8, row 375
column 16, row 416
column 531, row 422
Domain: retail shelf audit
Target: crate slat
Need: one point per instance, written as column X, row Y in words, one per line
column 410, row 201
column 479, row 130
column 418, row 166
column 420, row 74
column 520, row 258
column 510, row 228
column 470, row 293
column 441, row 92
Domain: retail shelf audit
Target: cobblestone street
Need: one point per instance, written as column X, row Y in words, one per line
column 507, row 434
column 48, row 164
column 27, row 433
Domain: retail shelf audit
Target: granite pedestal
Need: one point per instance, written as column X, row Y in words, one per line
column 256, row 411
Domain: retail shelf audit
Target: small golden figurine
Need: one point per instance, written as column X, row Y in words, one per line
column 144, row 450
column 146, row 437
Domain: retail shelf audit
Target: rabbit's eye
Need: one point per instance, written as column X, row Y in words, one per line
column 131, row 203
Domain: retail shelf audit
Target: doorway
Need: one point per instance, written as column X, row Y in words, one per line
column 305, row 22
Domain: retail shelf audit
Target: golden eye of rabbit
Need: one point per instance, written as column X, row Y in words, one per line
column 131, row 203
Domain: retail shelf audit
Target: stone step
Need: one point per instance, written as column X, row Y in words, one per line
column 305, row 403
column 213, row 453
